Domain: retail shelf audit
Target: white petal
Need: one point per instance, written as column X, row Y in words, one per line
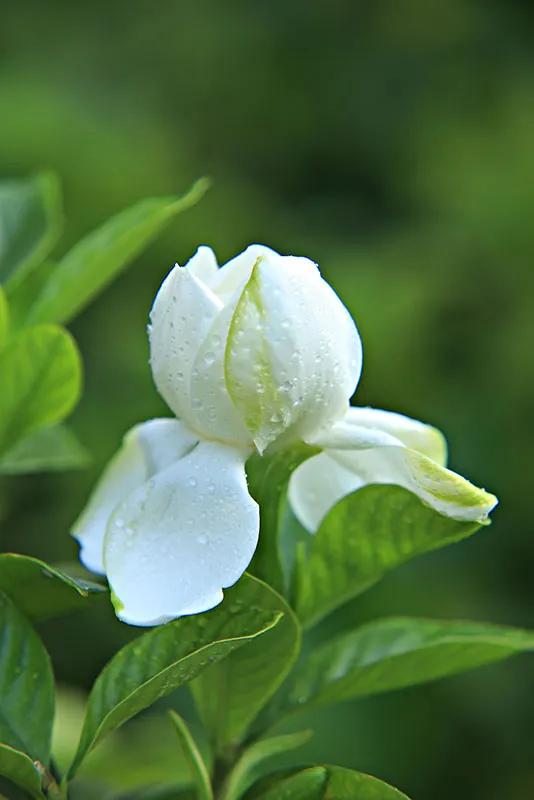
column 182, row 314
column 203, row 264
column 187, row 345
column 215, row 412
column 146, row 449
column 370, row 427
column 316, row 485
column 234, row 275
column 294, row 354
column 414, row 434
column 440, row 488
column 182, row 537
column 215, row 415
column 343, row 471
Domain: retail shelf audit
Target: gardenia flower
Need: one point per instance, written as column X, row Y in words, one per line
column 255, row 354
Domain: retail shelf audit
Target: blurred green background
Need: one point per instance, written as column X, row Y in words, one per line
column 392, row 142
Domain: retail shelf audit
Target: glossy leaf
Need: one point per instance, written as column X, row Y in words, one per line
column 26, row 685
column 366, row 534
column 158, row 662
column 41, row 591
column 46, row 450
column 99, row 257
column 268, row 477
column 230, row 694
column 31, row 220
column 250, row 767
column 401, row 651
column 40, row 375
column 328, row 783
column 199, row 774
column 18, row 768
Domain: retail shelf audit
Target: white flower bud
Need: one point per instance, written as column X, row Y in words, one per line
column 259, row 350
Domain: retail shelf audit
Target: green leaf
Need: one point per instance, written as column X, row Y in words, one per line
column 48, row 449
column 20, row 770
column 103, row 254
column 199, row 774
column 31, row 220
column 306, row 784
column 158, row 662
column 367, row 533
column 328, row 783
column 23, row 293
column 26, row 685
column 41, row 591
column 4, row 318
column 250, row 767
column 40, row 375
column 397, row 652
column 230, row 694
column 268, row 477
column 345, row 784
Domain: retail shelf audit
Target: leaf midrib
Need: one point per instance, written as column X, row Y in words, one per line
column 82, row 751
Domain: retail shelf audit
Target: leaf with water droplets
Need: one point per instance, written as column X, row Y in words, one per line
column 41, row 591
column 158, row 662
column 230, row 694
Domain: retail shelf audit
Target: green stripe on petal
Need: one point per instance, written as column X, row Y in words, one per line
column 247, row 350
column 293, row 354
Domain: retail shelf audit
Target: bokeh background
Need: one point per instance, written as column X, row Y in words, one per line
column 393, row 142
